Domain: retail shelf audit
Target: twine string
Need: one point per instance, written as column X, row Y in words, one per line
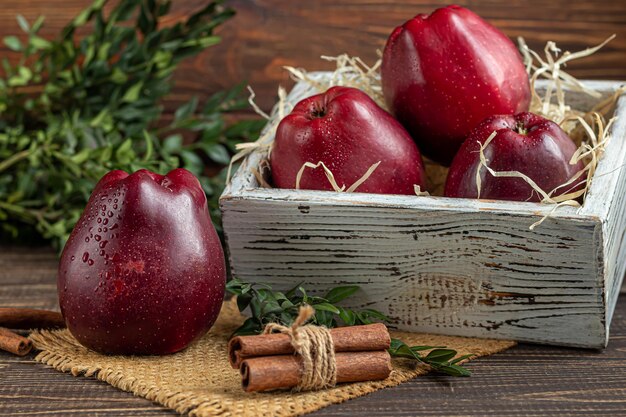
column 314, row 345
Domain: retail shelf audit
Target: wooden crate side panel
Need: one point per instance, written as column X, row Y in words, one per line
column 473, row 273
column 607, row 181
column 611, row 179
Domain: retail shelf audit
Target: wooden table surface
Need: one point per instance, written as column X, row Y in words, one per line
column 524, row 381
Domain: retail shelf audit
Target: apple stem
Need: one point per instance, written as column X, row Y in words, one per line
column 519, row 128
column 318, row 113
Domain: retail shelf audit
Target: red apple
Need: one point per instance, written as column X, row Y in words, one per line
column 444, row 73
column 526, row 143
column 143, row 270
column 346, row 130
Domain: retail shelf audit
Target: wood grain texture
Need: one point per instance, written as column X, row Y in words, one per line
column 267, row 35
column 524, row 381
column 440, row 265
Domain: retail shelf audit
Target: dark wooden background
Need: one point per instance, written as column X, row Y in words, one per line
column 268, row 34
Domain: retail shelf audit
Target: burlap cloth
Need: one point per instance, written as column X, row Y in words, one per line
column 200, row 381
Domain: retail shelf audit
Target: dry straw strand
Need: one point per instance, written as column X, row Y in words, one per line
column 418, row 191
column 265, row 140
column 350, row 71
column 331, row 177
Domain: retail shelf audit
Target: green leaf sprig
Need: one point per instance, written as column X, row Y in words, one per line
column 269, row 306
column 439, row 358
column 91, row 100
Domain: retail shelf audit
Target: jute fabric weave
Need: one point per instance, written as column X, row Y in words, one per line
column 199, row 380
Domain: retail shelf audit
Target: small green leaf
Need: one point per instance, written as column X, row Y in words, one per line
column 326, row 307
column 250, row 326
column 186, row 110
column 218, row 154
column 100, row 117
column 461, row 358
column 292, row 292
column 81, row 156
column 400, row 349
column 38, row 23
column 453, row 370
column 125, row 154
column 13, row 43
column 202, row 42
column 39, row 43
column 132, row 94
column 149, row 146
column 341, row 293
column 369, row 313
column 305, row 297
column 347, row 316
column 243, row 301
column 118, row 76
column 234, row 286
column 172, row 144
column 23, row 23
column 324, row 318
column 440, row 355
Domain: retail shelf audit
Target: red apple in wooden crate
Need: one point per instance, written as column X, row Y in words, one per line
column 526, row 143
column 347, row 131
column 445, row 72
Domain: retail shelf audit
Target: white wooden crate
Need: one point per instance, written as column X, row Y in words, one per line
column 443, row 265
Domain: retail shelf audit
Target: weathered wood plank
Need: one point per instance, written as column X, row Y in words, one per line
column 451, row 272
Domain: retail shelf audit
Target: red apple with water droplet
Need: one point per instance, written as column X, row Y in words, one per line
column 445, row 72
column 526, row 143
column 347, row 131
column 143, row 270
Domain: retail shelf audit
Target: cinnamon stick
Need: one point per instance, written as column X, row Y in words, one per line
column 29, row 318
column 14, row 343
column 368, row 337
column 267, row 373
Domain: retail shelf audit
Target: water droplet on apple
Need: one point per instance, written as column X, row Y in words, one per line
column 85, row 256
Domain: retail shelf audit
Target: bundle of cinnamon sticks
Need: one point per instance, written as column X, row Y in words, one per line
column 24, row 319
column 267, row 362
